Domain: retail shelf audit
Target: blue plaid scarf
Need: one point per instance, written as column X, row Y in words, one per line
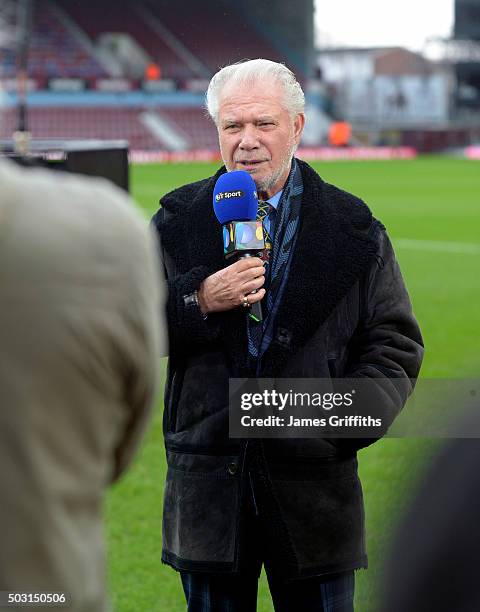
column 284, row 238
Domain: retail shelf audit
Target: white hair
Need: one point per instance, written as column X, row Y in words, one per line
column 251, row 71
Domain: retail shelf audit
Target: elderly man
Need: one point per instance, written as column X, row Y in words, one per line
column 334, row 306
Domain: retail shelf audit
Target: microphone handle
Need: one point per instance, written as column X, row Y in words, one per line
column 255, row 310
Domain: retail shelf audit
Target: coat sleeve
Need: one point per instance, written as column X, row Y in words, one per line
column 186, row 324
column 387, row 343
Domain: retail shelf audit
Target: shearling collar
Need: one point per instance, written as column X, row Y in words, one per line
column 332, row 252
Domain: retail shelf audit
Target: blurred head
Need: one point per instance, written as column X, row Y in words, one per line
column 258, row 107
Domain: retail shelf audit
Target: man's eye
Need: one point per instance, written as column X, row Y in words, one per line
column 233, row 126
column 266, row 123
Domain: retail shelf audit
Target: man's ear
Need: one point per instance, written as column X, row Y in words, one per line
column 298, row 125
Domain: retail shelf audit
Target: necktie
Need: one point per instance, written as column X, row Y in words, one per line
column 264, row 210
column 263, row 215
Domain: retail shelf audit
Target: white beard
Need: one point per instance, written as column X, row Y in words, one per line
column 268, row 182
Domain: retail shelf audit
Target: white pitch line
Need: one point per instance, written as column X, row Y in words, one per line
column 467, row 248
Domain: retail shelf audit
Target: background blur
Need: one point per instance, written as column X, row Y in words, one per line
column 137, row 69
column 396, row 117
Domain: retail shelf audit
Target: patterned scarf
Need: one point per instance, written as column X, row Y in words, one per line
column 285, row 235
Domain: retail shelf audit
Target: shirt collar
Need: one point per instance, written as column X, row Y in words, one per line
column 275, row 199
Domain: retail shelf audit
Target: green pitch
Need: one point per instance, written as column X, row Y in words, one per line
column 431, row 208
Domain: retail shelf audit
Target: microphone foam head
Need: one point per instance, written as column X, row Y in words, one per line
column 235, row 197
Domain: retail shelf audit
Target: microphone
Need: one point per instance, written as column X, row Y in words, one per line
column 235, row 203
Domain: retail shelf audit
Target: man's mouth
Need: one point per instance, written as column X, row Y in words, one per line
column 250, row 163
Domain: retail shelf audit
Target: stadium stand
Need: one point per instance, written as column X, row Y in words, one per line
column 50, row 36
column 229, row 40
column 7, row 39
column 113, row 16
column 167, row 36
column 192, row 122
column 113, row 122
column 54, row 51
column 109, row 123
column 188, row 41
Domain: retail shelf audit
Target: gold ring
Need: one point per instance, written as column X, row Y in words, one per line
column 245, row 302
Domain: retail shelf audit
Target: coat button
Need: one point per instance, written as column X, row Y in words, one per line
column 232, row 469
column 284, row 337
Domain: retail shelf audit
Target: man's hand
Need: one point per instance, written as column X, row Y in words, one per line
column 226, row 288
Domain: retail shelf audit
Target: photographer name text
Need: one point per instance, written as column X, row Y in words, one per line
column 332, row 421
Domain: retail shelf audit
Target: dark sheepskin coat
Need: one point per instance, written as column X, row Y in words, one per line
column 345, row 313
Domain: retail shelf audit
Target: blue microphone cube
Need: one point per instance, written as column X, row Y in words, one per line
column 242, row 237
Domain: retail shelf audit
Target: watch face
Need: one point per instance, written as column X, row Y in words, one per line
column 191, row 299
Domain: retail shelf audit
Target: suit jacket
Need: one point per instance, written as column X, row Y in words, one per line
column 79, row 347
column 345, row 312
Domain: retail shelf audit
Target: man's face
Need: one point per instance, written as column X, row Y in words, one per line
column 257, row 134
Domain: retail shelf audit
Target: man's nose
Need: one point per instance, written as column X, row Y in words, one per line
column 249, row 138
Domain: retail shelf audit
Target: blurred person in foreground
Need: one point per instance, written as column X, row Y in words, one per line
column 79, row 349
column 335, row 305
column 434, row 561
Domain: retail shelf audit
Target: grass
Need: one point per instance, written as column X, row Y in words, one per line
column 425, row 199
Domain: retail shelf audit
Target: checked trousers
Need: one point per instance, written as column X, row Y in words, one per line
column 236, row 593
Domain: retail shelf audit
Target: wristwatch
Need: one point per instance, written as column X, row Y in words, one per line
column 191, row 301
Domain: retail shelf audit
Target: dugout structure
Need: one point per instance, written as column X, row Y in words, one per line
column 107, row 159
